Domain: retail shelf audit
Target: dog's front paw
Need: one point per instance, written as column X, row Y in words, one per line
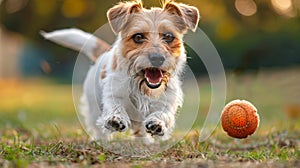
column 155, row 127
column 115, row 123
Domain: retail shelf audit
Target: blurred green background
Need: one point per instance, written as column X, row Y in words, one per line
column 258, row 41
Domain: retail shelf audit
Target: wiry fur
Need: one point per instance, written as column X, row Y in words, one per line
column 116, row 96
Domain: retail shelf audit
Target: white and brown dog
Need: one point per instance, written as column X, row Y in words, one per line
column 135, row 84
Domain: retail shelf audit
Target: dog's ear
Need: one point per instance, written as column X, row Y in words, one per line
column 189, row 14
column 119, row 14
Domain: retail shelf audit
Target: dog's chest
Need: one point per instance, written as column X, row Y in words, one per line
column 144, row 105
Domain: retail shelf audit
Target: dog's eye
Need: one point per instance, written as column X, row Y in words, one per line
column 168, row 37
column 138, row 38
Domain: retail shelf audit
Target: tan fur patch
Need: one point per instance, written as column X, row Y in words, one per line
column 130, row 48
column 128, row 45
column 175, row 48
column 103, row 72
column 114, row 65
column 100, row 48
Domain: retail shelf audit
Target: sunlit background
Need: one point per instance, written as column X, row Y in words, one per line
column 258, row 41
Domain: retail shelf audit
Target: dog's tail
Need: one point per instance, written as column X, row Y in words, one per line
column 78, row 40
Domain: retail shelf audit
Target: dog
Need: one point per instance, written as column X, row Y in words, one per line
column 135, row 83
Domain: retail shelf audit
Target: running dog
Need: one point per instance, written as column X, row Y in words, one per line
column 134, row 84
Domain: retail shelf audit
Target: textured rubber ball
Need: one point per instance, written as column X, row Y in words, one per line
column 239, row 119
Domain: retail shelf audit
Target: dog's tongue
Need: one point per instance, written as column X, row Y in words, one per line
column 154, row 75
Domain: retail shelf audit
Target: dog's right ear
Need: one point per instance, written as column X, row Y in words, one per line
column 118, row 15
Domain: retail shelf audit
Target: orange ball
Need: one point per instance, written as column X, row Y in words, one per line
column 239, row 119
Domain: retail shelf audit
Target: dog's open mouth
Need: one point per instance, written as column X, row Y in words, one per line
column 153, row 77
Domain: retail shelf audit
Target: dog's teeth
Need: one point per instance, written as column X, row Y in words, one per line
column 153, row 83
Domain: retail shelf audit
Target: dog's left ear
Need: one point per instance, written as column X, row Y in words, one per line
column 189, row 14
column 119, row 14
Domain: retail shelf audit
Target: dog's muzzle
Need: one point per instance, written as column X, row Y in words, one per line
column 154, row 75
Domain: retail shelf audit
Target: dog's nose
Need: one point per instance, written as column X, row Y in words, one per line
column 156, row 59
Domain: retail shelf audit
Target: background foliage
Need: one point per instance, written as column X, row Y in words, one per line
column 249, row 34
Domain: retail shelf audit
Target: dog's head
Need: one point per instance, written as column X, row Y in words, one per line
column 151, row 41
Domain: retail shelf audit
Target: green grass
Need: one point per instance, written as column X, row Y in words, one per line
column 39, row 127
column 19, row 148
